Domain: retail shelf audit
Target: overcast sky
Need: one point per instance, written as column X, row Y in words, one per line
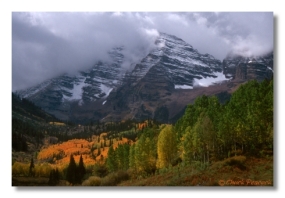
column 45, row 45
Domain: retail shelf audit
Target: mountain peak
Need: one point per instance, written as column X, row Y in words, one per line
column 154, row 84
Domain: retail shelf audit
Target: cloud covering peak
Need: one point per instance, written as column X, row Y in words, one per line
column 47, row 44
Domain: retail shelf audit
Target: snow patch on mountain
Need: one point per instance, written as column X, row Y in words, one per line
column 107, row 90
column 77, row 90
column 270, row 69
column 206, row 82
column 183, row 87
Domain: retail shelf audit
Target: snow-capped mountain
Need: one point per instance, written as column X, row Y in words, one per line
column 86, row 86
column 171, row 76
column 147, row 90
column 56, row 95
column 179, row 61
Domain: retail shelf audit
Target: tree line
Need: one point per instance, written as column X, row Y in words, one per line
column 208, row 131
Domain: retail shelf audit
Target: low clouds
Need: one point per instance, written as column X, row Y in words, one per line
column 247, row 34
column 45, row 45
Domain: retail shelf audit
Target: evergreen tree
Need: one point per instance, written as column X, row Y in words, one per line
column 126, row 153
column 120, row 156
column 53, row 177
column 81, row 170
column 56, row 174
column 111, row 161
column 132, row 162
column 71, row 171
column 32, row 168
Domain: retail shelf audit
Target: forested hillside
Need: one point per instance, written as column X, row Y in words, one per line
column 207, row 133
column 28, row 120
column 24, row 107
column 243, row 125
column 211, row 142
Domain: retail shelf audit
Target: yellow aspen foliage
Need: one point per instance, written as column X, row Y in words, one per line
column 20, row 169
column 166, row 147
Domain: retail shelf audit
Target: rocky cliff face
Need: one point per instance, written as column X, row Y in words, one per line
column 173, row 66
column 178, row 61
column 248, row 68
column 159, row 86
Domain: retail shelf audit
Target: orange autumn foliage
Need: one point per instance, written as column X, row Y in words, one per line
column 59, row 154
column 142, row 125
column 75, row 146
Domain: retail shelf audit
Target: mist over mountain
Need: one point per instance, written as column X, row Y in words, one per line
column 159, row 86
column 46, row 45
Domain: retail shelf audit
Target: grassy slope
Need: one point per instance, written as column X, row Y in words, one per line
column 252, row 172
column 248, row 172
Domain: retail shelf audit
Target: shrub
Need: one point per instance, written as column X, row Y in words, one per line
column 43, row 170
column 200, row 165
column 20, row 169
column 99, row 170
column 92, row 181
column 109, row 180
column 89, row 169
column 237, row 161
column 123, row 175
column 114, row 178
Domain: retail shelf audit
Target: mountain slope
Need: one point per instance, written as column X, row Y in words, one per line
column 148, row 91
column 23, row 108
column 159, row 86
column 58, row 95
column 248, row 68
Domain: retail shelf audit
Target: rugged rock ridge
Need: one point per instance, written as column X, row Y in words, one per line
column 178, row 60
column 160, row 86
column 146, row 90
column 248, row 68
column 57, row 95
